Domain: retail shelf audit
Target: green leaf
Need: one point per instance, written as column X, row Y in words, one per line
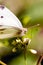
column 30, row 59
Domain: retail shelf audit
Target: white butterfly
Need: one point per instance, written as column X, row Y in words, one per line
column 10, row 26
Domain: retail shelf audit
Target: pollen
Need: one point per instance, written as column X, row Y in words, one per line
column 33, row 51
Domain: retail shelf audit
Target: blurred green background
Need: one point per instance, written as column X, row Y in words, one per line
column 18, row 5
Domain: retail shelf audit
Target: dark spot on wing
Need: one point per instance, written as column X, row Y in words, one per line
column 2, row 7
column 1, row 16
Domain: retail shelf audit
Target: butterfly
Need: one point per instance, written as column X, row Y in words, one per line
column 10, row 26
